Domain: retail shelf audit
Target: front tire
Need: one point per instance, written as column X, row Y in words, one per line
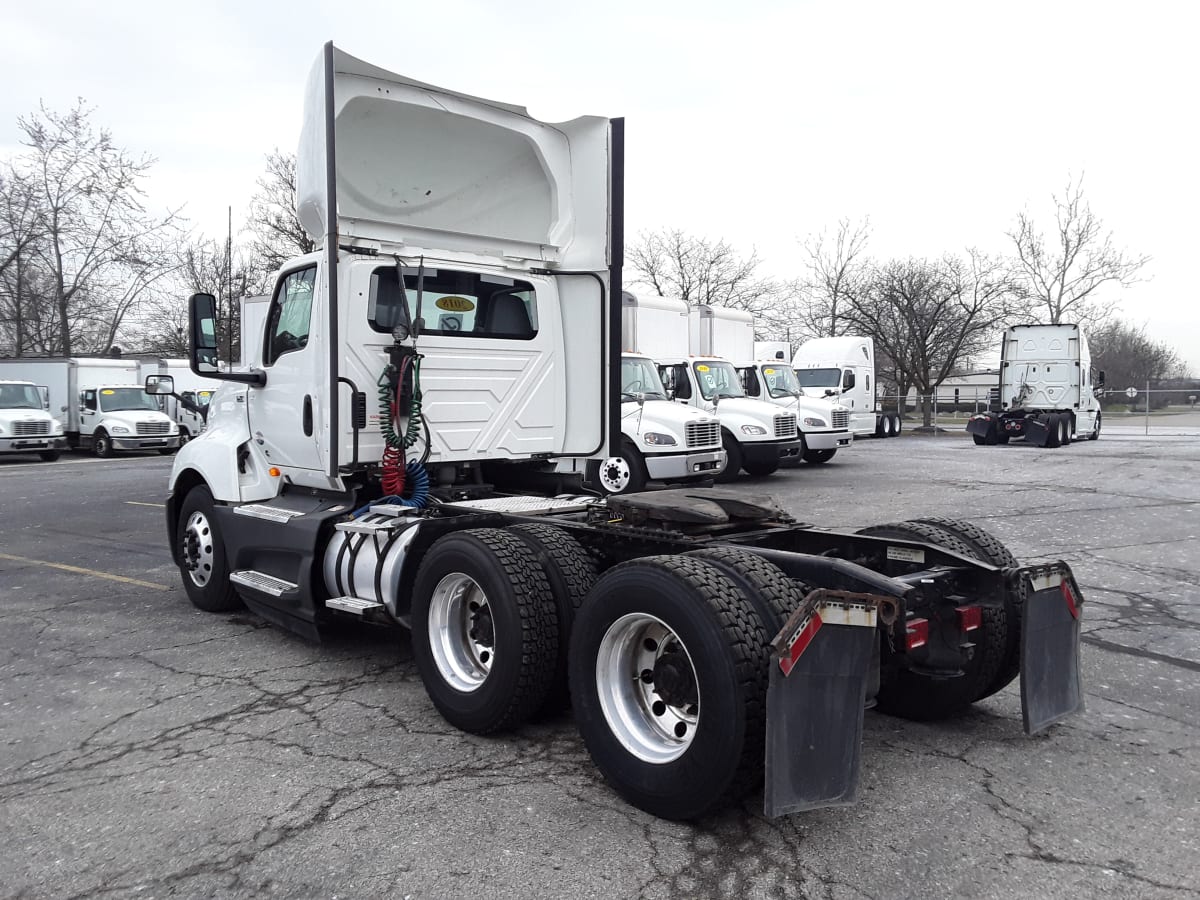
column 49, row 455
column 624, row 474
column 669, row 668
column 761, row 470
column 484, row 630
column 203, row 561
column 818, row 457
column 102, row 445
column 1095, row 434
column 734, row 458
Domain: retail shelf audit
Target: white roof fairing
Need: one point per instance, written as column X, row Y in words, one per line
column 435, row 169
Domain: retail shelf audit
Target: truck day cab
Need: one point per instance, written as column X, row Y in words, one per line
column 1049, row 390
column 104, row 408
column 708, row 643
column 25, row 425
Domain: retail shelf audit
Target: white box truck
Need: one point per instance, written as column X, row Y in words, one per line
column 188, row 405
column 104, row 408
column 843, row 368
column 25, row 424
column 729, row 333
column 1049, row 391
column 709, row 644
column 758, row 437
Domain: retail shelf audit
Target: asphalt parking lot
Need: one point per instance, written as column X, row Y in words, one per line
column 148, row 749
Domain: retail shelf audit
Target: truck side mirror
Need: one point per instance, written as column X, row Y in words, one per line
column 203, row 309
column 1100, row 380
column 848, row 381
column 160, row 384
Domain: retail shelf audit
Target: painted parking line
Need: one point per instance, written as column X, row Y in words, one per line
column 78, row 570
column 143, row 503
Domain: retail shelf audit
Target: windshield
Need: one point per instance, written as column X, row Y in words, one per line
column 19, row 396
column 113, row 399
column 200, row 398
column 718, row 379
column 639, row 376
column 819, row 378
column 781, row 381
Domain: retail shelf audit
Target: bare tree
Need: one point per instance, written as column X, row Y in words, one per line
column 1063, row 273
column 276, row 232
column 99, row 249
column 837, row 269
column 700, row 271
column 21, row 227
column 1130, row 358
column 928, row 317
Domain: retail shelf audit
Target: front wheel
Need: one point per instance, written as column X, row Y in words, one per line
column 167, row 451
column 49, row 455
column 816, row 457
column 624, row 474
column 201, row 554
column 484, row 629
column 761, row 469
column 669, row 671
column 1095, row 434
column 102, row 445
column 734, row 458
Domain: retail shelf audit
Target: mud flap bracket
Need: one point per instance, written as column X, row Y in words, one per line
column 820, row 666
column 1051, row 685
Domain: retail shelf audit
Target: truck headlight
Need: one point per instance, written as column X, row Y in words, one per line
column 659, row 440
column 56, row 426
column 753, row 429
column 814, row 422
column 119, row 429
column 1, row 429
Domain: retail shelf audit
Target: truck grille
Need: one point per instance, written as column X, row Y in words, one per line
column 785, row 426
column 703, row 434
column 25, row 429
column 841, row 418
column 153, row 427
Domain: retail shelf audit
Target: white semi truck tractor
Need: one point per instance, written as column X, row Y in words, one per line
column 729, row 333
column 103, row 405
column 1049, row 391
column 843, row 369
column 460, row 328
column 25, row 424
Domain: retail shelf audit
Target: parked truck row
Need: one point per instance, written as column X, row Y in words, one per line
column 436, row 356
column 97, row 404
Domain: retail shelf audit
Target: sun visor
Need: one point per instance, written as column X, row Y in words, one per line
column 421, row 166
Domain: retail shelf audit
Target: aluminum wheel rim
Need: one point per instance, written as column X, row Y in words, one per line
column 653, row 730
column 459, row 619
column 198, row 548
column 615, row 474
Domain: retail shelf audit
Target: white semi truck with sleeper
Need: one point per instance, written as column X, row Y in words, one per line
column 1049, row 391
column 371, row 463
column 102, row 402
column 843, row 369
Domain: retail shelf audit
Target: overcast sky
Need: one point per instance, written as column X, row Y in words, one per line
column 756, row 122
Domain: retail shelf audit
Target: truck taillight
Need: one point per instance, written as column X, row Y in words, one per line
column 916, row 633
column 970, row 617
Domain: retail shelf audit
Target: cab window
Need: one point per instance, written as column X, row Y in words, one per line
column 89, row 400
column 675, row 379
column 749, row 381
column 454, row 303
column 291, row 314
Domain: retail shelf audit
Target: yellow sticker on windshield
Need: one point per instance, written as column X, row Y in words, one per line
column 108, row 391
column 455, row 304
column 768, row 371
column 701, row 368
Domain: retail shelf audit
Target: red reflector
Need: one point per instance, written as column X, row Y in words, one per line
column 970, row 617
column 799, row 643
column 1069, row 596
column 916, row 633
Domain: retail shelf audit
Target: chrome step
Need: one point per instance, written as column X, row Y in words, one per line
column 368, row 527
column 260, row 581
column 270, row 513
column 353, row 605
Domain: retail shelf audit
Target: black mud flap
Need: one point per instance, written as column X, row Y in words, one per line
column 820, row 666
column 1051, row 686
column 1037, row 432
column 982, row 425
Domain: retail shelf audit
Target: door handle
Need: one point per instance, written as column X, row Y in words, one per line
column 307, row 416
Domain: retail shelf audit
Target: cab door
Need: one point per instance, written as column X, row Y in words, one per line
column 287, row 414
